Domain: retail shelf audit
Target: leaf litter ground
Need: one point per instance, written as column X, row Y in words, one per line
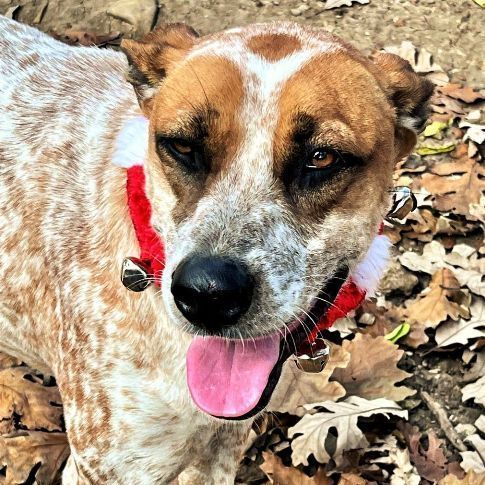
column 383, row 411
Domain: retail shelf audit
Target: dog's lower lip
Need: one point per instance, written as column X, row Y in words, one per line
column 296, row 336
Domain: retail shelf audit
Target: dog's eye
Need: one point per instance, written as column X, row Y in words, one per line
column 321, row 158
column 188, row 154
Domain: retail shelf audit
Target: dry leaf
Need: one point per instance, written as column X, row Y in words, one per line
column 465, row 94
column 475, row 391
column 30, row 400
column 421, row 60
column 478, row 367
column 471, row 478
column 455, row 186
column 443, row 299
column 462, row 331
column 296, row 388
column 404, row 472
column 397, row 278
column 428, row 262
column 351, row 479
column 314, row 428
column 279, row 474
column 372, row 371
column 24, row 450
column 430, row 462
column 342, row 3
column 474, row 460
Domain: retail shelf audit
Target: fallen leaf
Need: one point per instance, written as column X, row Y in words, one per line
column 480, row 3
column 471, row 478
column 404, row 472
column 279, row 474
column 455, row 186
column 30, row 400
column 372, row 371
column 398, row 333
column 475, row 391
column 351, row 479
column 429, row 261
column 421, row 60
column 474, row 460
column 342, row 3
column 426, row 149
column 474, row 132
column 436, row 129
column 430, row 462
column 462, row 331
column 313, row 428
column 465, row 94
column 22, row 451
column 443, row 299
column 478, row 367
column 296, row 388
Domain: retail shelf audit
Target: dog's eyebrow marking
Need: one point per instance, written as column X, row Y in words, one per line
column 263, row 81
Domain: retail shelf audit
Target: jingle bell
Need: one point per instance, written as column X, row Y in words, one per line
column 135, row 274
column 403, row 202
column 314, row 357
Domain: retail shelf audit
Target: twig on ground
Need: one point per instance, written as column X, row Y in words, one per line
column 443, row 420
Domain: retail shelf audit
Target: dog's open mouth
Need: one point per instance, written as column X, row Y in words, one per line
column 234, row 379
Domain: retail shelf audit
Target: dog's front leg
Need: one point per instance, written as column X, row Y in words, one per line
column 217, row 464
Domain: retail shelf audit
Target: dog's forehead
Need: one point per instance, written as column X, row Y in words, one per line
column 260, row 78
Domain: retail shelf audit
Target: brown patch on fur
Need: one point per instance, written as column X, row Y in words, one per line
column 274, row 47
column 202, row 100
column 348, row 125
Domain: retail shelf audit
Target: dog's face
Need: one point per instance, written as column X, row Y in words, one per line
column 270, row 161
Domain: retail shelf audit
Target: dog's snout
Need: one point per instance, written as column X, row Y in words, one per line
column 212, row 292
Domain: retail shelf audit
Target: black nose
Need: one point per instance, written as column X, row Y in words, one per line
column 212, row 292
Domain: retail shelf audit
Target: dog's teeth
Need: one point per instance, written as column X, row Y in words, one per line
column 135, row 274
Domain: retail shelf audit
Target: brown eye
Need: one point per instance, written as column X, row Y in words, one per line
column 182, row 148
column 321, row 158
column 189, row 155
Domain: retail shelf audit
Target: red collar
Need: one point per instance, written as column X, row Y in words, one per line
column 152, row 252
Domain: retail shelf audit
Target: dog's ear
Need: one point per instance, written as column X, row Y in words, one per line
column 151, row 57
column 409, row 94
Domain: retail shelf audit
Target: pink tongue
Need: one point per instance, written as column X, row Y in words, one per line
column 226, row 377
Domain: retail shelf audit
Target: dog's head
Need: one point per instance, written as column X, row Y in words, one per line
column 270, row 157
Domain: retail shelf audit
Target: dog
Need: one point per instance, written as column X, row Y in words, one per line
column 268, row 153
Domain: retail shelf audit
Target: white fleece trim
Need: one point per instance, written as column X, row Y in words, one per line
column 131, row 144
column 369, row 271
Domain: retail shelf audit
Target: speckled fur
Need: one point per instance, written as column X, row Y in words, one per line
column 119, row 357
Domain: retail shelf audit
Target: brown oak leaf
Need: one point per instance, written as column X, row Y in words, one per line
column 279, row 474
column 38, row 406
column 455, row 186
column 296, row 388
column 441, row 300
column 22, row 451
column 430, row 462
column 372, row 371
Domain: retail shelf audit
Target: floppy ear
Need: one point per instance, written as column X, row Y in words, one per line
column 151, row 57
column 409, row 94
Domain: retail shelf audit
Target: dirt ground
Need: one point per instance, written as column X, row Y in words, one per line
column 448, row 29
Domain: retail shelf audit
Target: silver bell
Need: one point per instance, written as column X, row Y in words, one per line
column 403, row 202
column 135, row 274
column 314, row 357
